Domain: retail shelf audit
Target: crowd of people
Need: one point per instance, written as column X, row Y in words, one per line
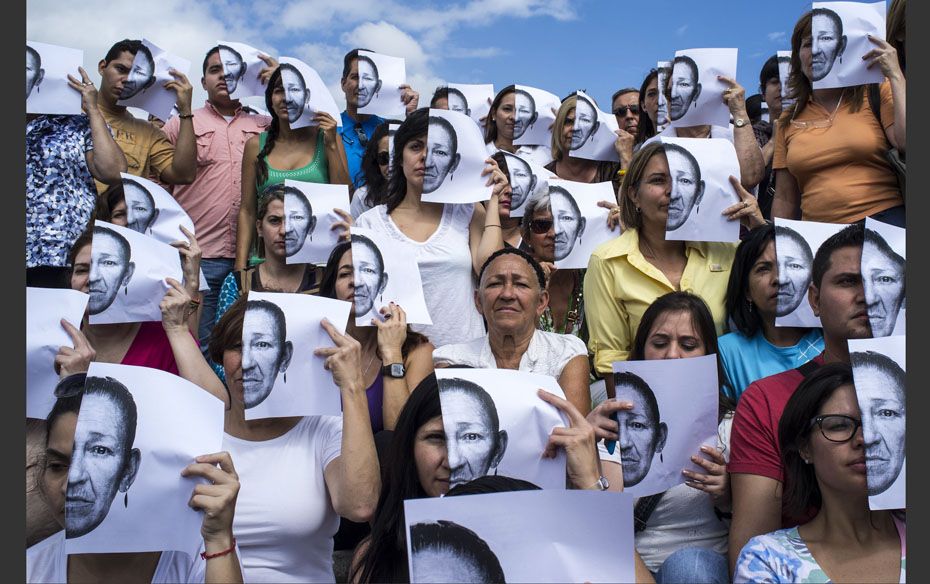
column 783, row 498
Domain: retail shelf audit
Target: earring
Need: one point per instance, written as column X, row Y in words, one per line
column 638, row 210
column 126, row 290
column 451, row 176
column 126, row 500
column 662, row 460
column 750, row 305
column 285, row 377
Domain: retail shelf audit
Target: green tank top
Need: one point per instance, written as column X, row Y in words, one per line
column 317, row 171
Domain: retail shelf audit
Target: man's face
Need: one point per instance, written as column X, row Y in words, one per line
column 141, row 72
column 794, row 274
column 33, row 72
column 640, row 436
column 521, row 181
column 523, row 115
column 440, row 157
column 883, row 410
column 109, row 271
column 367, row 82
column 214, row 80
column 883, row 279
column 140, row 207
column 457, row 103
column 686, row 189
column 629, row 121
column 438, row 566
column 683, row 88
column 262, row 355
column 471, row 441
column 298, row 224
column 840, row 300
column 585, row 120
column 826, row 44
column 97, row 464
column 567, row 223
column 369, row 277
column 295, row 94
column 233, row 68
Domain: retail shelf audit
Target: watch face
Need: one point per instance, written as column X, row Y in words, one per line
column 397, row 370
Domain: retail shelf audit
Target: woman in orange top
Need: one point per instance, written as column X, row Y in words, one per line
column 830, row 148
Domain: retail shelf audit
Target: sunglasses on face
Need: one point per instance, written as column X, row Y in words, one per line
column 621, row 111
column 383, row 158
column 540, row 226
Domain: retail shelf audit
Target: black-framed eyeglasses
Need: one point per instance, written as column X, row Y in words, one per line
column 362, row 136
column 383, row 158
column 621, row 111
column 70, row 386
column 837, row 427
column 540, row 226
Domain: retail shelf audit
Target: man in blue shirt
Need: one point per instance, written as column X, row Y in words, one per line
column 358, row 128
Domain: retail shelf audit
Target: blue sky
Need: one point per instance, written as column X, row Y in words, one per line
column 557, row 45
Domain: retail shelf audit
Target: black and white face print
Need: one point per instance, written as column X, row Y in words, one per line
column 527, row 180
column 784, row 72
column 594, row 131
column 533, row 116
column 839, row 39
column 241, row 68
column 884, row 254
column 47, row 70
column 309, row 213
column 305, row 94
column 455, row 155
column 144, row 87
column 580, row 225
column 663, row 68
column 473, row 100
column 379, row 80
column 695, row 94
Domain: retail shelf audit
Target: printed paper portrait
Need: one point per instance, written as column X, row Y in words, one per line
column 308, row 218
column 839, row 39
column 695, row 94
column 578, row 223
column 136, row 430
column 533, row 116
column 379, row 80
column 784, row 72
column 593, row 133
column 527, row 180
column 455, row 155
column 144, row 87
column 473, row 100
column 47, row 70
column 241, row 68
column 883, row 277
column 663, row 68
column 305, row 94
column 495, row 423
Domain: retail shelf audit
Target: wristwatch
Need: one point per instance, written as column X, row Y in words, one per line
column 602, row 484
column 740, row 122
column 395, row 370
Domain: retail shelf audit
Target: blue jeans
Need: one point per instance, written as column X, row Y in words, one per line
column 694, row 565
column 215, row 271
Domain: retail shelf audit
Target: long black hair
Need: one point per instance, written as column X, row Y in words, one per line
column 415, row 126
column 385, row 558
column 369, row 173
column 261, row 167
column 746, row 320
column 646, row 129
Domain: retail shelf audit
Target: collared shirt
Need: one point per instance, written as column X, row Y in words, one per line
column 353, row 145
column 60, row 193
column 620, row 285
column 148, row 152
column 213, row 199
column 547, row 353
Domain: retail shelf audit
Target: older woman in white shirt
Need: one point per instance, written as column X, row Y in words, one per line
column 511, row 296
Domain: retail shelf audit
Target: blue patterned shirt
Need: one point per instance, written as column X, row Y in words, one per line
column 60, row 191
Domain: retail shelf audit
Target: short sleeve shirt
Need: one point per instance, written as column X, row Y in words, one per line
column 147, row 149
column 60, row 194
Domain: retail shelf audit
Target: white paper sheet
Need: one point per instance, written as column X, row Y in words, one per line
column 580, row 225
column 379, row 80
column 533, row 116
column 879, row 375
column 664, row 68
column 884, row 259
column 144, row 511
column 495, row 423
column 47, row 70
column 527, row 180
column 45, row 307
column 308, row 218
column 696, row 93
column 281, row 376
column 532, row 536
column 128, row 287
column 306, row 94
column 144, row 87
column 837, row 52
column 656, row 445
column 385, row 272
column 241, row 68
column 593, row 134
column 454, row 160
column 473, row 100
column 700, row 169
column 784, row 72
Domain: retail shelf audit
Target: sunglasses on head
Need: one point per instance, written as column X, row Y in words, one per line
column 540, row 226
column 383, row 158
column 621, row 111
column 362, row 137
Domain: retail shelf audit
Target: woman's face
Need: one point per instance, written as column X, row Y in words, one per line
column 429, row 454
column 654, row 192
column 271, row 230
column 232, row 367
column 651, row 99
column 118, row 216
column 384, row 150
column 504, row 117
column 543, row 244
column 509, row 296
column 806, row 55
column 414, row 157
column 345, row 279
column 57, row 464
column 762, row 283
column 279, row 101
column 839, row 466
column 673, row 336
column 80, row 274
column 568, row 127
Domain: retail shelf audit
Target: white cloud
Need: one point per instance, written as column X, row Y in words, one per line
column 776, row 36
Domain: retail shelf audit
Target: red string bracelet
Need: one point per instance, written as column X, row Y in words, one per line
column 207, row 556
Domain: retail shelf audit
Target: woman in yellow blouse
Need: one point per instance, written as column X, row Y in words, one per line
column 627, row 274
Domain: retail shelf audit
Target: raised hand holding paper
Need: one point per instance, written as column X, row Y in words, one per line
column 241, row 68
column 279, row 333
column 455, row 158
column 580, row 224
column 839, row 39
column 305, row 94
column 533, row 116
column 527, row 180
column 379, row 80
column 472, row 100
column 695, row 93
column 45, row 308
column 593, row 133
column 700, row 170
column 47, row 70
column 136, row 430
column 496, row 423
column 883, row 275
column 308, row 220
column 127, row 275
column 144, row 87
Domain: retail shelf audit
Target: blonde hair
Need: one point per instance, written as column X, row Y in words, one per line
column 567, row 106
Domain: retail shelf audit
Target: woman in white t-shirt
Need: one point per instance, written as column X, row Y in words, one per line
column 298, row 474
column 449, row 241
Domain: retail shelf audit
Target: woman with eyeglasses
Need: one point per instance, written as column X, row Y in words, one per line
column 308, row 154
column 823, row 451
column 376, row 162
column 831, row 146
